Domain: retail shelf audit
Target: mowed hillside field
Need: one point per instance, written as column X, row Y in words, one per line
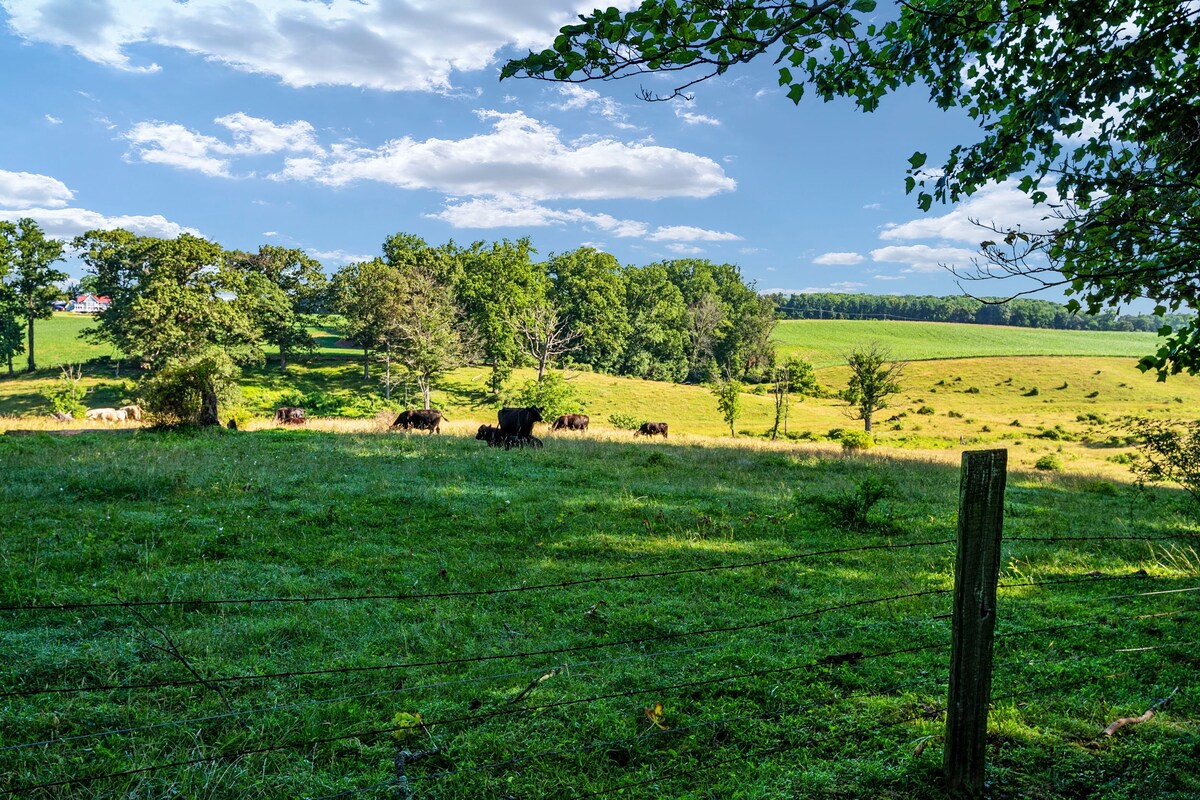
column 1036, row 391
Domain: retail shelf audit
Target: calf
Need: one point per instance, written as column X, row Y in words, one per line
column 423, row 419
column 571, row 422
column 652, row 429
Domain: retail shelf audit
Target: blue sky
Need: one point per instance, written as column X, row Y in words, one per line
column 329, row 126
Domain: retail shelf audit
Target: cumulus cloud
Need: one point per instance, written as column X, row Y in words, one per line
column 53, row 120
column 22, row 189
column 685, row 249
column 922, row 257
column 580, row 98
column 687, row 233
column 337, row 256
column 1002, row 205
column 176, row 146
column 889, row 277
column 839, row 259
column 397, row 45
column 65, row 223
column 693, row 118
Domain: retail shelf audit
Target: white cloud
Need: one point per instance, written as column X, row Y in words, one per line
column 923, row 258
column 380, row 44
column 839, row 259
column 889, row 277
column 693, row 118
column 22, row 189
column 873, row 206
column 1002, row 205
column 337, row 256
column 687, row 233
column 270, row 234
column 65, row 223
column 519, row 156
column 176, row 146
column 685, row 249
column 53, row 120
column 832, row 288
column 577, row 98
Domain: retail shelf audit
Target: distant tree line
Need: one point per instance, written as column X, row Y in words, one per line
column 1021, row 312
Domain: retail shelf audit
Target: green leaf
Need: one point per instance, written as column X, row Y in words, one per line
column 865, row 6
column 917, row 160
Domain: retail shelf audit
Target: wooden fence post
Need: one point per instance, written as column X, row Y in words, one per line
column 976, row 569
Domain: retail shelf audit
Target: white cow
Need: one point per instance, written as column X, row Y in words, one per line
column 106, row 414
column 132, row 412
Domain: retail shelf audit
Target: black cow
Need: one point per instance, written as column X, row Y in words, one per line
column 288, row 415
column 423, row 419
column 652, row 429
column 490, row 434
column 519, row 421
column 571, row 422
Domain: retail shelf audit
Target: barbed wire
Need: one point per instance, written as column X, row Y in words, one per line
column 201, row 602
column 472, row 659
column 468, row 718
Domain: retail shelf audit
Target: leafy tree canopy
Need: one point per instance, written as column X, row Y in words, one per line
column 1089, row 106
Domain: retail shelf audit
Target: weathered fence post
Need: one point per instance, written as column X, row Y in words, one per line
column 976, row 568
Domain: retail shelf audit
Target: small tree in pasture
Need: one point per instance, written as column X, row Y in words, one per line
column 1168, row 451
column 27, row 261
column 547, row 335
column 872, row 380
column 729, row 401
column 67, row 393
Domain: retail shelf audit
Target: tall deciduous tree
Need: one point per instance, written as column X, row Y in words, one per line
column 367, row 295
column 281, row 288
column 588, row 289
column 12, row 332
column 548, row 337
column 428, row 333
column 658, row 322
column 31, row 276
column 1089, row 107
column 499, row 285
column 873, row 378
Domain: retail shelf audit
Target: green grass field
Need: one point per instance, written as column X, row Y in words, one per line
column 826, row 342
column 797, row 691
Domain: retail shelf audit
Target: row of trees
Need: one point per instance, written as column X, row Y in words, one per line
column 190, row 309
column 1018, row 312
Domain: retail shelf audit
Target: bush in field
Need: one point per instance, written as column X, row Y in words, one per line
column 852, row 509
column 857, row 440
column 925, row 410
column 553, row 394
column 625, row 422
column 67, row 393
column 189, row 390
column 1049, row 463
column 1168, row 452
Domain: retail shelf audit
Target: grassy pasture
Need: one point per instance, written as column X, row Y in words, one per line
column 826, row 342
column 305, row 513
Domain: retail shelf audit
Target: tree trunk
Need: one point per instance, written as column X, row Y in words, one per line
column 387, row 375
column 10, row 364
column 542, row 366
column 208, row 405
column 424, row 384
column 31, row 366
column 867, row 422
column 282, row 358
column 366, row 364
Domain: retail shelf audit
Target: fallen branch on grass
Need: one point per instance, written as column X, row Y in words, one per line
column 1123, row 721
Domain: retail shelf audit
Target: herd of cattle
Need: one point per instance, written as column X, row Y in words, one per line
column 514, row 428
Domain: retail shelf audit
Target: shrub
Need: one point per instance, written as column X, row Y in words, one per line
column 553, row 394
column 926, row 410
column 1049, row 463
column 971, row 390
column 857, row 440
column 1064, row 386
column 67, row 393
column 852, row 510
column 1093, row 395
column 1032, row 392
column 189, row 390
column 1122, row 458
column 986, row 429
column 625, row 422
column 836, row 434
column 1016, row 423
column 954, row 414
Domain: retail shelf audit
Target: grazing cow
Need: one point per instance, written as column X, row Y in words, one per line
column 422, row 419
column 498, row 438
column 106, row 414
column 288, row 415
column 132, row 412
column 652, row 429
column 519, row 421
column 571, row 422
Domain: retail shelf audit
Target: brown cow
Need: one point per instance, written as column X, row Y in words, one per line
column 652, row 429
column 289, row 415
column 422, row 419
column 571, row 422
column 132, row 412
